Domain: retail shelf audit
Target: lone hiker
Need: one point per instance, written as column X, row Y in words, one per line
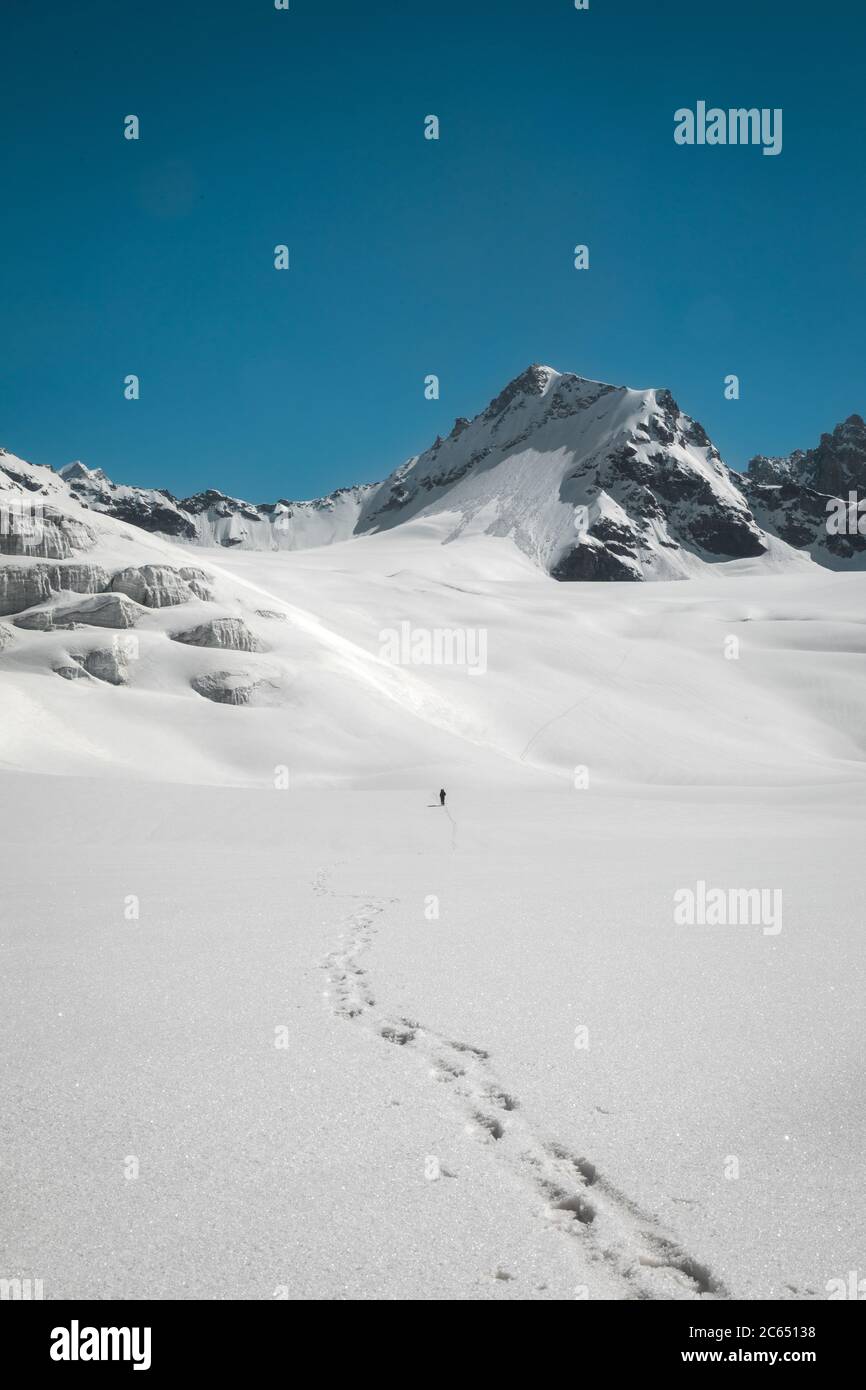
column 442, row 797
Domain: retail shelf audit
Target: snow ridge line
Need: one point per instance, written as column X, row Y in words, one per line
column 567, row 1191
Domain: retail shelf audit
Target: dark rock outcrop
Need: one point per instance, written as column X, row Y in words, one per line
column 800, row 498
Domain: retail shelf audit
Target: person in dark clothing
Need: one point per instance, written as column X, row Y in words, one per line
column 442, row 798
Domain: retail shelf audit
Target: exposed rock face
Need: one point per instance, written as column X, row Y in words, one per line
column 156, row 515
column 6, row 636
column 796, row 497
column 696, row 505
column 838, row 463
column 153, row 509
column 226, row 687
column 42, row 620
column 98, row 610
column 772, row 470
column 78, row 578
column 22, row 586
column 590, row 480
column 161, row 586
column 106, row 664
column 198, row 581
column 213, row 518
column 232, row 634
column 795, row 513
column 589, row 561
column 33, row 528
column 836, row 466
column 655, row 498
column 271, row 613
column 531, row 382
column 663, row 487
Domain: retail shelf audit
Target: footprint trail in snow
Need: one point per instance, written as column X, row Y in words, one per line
column 566, row 1190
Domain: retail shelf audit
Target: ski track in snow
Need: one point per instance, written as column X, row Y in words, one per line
column 566, row 1190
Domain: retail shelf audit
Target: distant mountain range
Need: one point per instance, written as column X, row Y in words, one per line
column 591, row 481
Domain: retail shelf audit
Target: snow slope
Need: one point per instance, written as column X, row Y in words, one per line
column 636, row 683
column 423, row 1125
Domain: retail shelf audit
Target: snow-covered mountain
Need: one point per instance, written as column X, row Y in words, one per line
column 122, row 649
column 795, row 497
column 590, row 481
column 213, row 518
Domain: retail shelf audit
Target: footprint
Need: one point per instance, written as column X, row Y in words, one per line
column 449, row 1071
column 467, row 1047
column 587, row 1170
column 666, row 1255
column 399, row 1033
column 501, row 1098
column 578, row 1206
column 488, row 1123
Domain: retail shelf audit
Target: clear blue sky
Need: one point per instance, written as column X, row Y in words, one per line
column 409, row 256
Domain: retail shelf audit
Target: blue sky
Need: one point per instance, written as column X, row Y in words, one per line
column 409, row 256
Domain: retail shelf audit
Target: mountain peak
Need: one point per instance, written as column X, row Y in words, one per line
column 534, row 380
column 834, row 467
column 79, row 472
